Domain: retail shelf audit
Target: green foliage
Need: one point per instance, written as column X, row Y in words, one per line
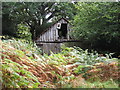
column 23, row 32
column 85, row 57
column 24, row 46
column 36, row 15
column 15, row 73
column 97, row 25
column 82, row 69
column 12, row 78
column 107, row 84
column 24, row 67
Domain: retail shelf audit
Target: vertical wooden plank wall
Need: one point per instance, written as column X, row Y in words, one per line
column 48, row 47
column 52, row 35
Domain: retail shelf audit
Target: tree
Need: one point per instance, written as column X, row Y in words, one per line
column 8, row 24
column 97, row 24
column 35, row 15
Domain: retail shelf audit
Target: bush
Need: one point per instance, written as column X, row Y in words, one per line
column 24, row 67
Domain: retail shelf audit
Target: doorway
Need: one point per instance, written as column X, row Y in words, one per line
column 62, row 32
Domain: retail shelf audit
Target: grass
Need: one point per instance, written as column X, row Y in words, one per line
column 105, row 84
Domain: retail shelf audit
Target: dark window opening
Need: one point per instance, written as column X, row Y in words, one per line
column 62, row 32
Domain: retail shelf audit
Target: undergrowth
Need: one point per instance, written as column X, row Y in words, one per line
column 23, row 66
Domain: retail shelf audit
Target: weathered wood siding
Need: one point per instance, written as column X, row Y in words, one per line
column 51, row 33
column 51, row 47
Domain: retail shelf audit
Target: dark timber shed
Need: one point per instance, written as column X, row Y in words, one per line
column 52, row 38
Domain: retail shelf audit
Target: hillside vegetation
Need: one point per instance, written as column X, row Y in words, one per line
column 24, row 67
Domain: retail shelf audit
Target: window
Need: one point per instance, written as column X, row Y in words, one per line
column 58, row 25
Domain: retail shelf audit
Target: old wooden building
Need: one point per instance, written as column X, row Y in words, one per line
column 52, row 38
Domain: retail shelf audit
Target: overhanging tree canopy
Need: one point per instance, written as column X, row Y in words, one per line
column 98, row 25
column 35, row 15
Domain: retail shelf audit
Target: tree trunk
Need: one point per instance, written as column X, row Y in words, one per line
column 32, row 30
